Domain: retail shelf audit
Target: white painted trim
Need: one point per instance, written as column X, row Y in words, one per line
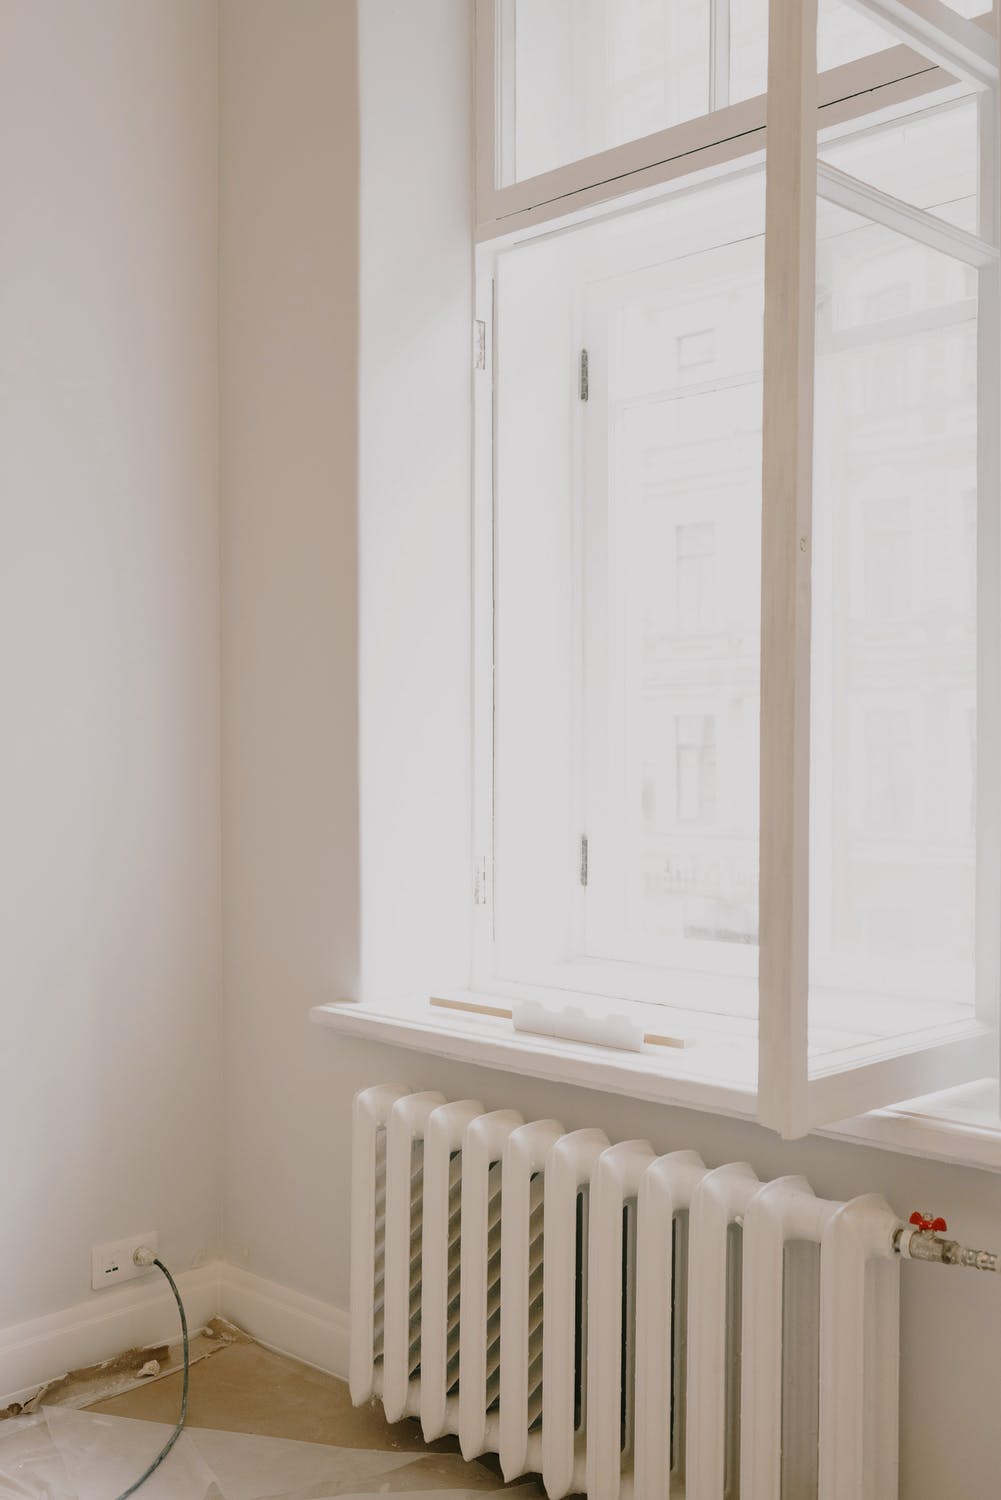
column 315, row 1332
column 103, row 1325
column 143, row 1312
column 482, row 831
column 490, row 1043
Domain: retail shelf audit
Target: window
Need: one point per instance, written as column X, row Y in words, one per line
column 739, row 660
column 695, row 762
column 882, row 558
column 696, row 351
column 695, row 576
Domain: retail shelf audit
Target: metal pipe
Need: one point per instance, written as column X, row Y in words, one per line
column 919, row 1244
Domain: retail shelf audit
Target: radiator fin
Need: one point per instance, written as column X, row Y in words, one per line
column 493, row 1325
column 379, row 1248
column 536, row 1241
column 416, row 1232
column 679, row 1343
column 454, row 1275
column 731, row 1431
column 800, row 1369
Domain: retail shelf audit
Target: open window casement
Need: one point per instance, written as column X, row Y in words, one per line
column 880, row 853
column 738, row 538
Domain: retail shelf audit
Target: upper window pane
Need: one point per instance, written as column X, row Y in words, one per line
column 843, row 35
column 577, row 77
column 580, row 76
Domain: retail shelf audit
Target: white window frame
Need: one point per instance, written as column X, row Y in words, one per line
column 791, row 1098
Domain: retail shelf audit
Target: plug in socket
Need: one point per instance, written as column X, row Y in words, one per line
column 112, row 1262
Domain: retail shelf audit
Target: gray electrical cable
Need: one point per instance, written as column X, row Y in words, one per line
column 184, row 1392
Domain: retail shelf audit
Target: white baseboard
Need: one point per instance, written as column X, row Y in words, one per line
column 313, row 1331
column 143, row 1312
column 139, row 1313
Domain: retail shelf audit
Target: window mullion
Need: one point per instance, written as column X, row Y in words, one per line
column 790, row 280
column 719, row 55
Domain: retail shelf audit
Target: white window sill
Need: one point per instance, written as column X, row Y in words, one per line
column 959, row 1125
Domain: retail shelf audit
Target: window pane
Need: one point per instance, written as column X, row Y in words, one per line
column 894, row 640
column 628, row 594
column 577, row 77
column 929, row 159
column 673, row 660
column 843, row 34
column 580, row 76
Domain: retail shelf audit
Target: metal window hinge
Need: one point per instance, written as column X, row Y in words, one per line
column 583, row 859
column 480, row 344
column 480, row 882
column 582, row 388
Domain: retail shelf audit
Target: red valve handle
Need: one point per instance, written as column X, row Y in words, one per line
column 927, row 1224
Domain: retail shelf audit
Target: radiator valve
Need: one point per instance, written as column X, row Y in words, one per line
column 921, row 1239
column 927, row 1224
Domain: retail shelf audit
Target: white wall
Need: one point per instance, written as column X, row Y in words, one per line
column 109, row 671
column 288, row 343
column 344, row 618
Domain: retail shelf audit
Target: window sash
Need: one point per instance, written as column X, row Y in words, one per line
column 792, row 1096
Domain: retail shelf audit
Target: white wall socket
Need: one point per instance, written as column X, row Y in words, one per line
column 112, row 1263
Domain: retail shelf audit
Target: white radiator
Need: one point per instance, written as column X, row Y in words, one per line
column 619, row 1322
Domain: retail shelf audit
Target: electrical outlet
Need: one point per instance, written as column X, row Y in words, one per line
column 112, row 1262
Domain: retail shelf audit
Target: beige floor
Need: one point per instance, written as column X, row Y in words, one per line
column 246, row 1388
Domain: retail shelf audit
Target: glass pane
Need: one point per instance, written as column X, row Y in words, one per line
column 580, row 76
column 673, row 811
column 671, row 535
column 894, row 640
column 628, row 597
column 843, row 35
column 929, row 159
column 576, row 77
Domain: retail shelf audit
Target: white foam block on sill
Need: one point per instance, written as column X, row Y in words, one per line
column 576, row 1025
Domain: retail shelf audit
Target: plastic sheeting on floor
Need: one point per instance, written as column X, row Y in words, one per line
column 62, row 1454
column 31, row 1466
